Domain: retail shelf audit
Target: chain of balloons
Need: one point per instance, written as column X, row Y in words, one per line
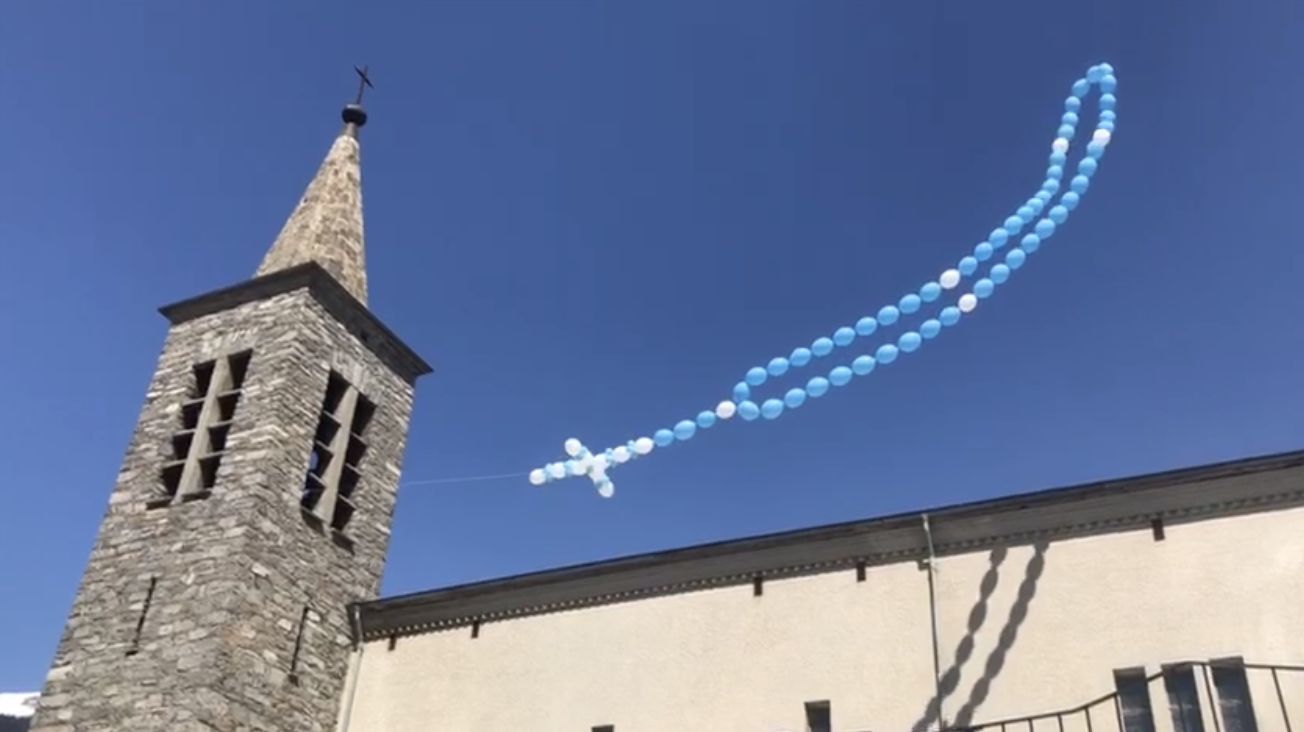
column 583, row 462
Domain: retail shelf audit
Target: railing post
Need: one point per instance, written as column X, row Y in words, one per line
column 1281, row 699
column 1213, row 701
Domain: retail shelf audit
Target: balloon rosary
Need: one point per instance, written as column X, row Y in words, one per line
column 583, row 462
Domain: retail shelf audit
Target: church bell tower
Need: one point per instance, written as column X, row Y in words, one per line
column 255, row 500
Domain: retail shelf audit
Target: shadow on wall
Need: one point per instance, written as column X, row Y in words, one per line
column 950, row 679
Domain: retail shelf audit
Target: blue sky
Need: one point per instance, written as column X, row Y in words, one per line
column 593, row 217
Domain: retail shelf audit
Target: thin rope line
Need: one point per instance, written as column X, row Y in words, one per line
column 466, row 479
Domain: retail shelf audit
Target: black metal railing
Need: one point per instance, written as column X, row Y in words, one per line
column 1200, row 696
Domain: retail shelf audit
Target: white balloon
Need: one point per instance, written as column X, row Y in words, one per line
column 1060, row 145
column 578, row 467
column 725, row 409
column 949, row 279
column 573, row 447
column 606, row 489
column 644, row 445
column 1102, row 136
column 538, row 477
column 968, row 301
column 599, row 464
column 556, row 470
column 621, row 454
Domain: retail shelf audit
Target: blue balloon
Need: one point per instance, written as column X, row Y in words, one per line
column 1070, row 200
column 1106, row 67
column 800, row 357
column 741, row 391
column 886, row 353
column 1030, row 243
column 1087, row 166
column 888, row 315
column 1095, row 149
column 771, row 409
column 1044, row 196
column 862, row 365
column 1013, row 224
column 1107, row 101
column 1055, row 171
column 665, row 437
column 1081, row 87
column 756, row 376
column 685, row 430
column 705, row 418
column 998, row 237
column 748, row 410
column 795, row 398
column 1095, row 74
column 950, row 315
column 1109, row 115
column 982, row 252
column 1000, row 273
column 984, row 288
column 1059, row 214
column 967, row 266
column 1069, row 118
column 822, row 346
column 778, row 366
column 1036, row 204
column 1066, row 131
column 1015, row 258
column 817, row 387
column 1050, row 185
column 1108, row 84
column 1044, row 228
column 1072, row 104
column 930, row 292
column 866, row 325
column 839, row 376
column 930, row 328
column 1105, row 124
column 910, row 303
column 909, row 341
column 843, row 336
column 1058, row 158
column 1025, row 213
column 1080, row 184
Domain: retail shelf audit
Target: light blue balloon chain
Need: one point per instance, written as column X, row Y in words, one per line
column 583, row 462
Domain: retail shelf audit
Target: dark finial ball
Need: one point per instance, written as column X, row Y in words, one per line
column 354, row 114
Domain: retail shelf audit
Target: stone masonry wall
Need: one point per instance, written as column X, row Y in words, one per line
column 233, row 572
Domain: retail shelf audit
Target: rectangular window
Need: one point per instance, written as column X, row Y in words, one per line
column 1134, row 700
column 819, row 718
column 206, row 418
column 1233, row 695
column 1183, row 698
column 334, row 469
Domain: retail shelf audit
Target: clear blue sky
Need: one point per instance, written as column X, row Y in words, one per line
column 593, row 217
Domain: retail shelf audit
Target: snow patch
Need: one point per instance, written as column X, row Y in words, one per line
column 18, row 705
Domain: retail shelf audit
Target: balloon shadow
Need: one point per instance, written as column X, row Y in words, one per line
column 950, row 679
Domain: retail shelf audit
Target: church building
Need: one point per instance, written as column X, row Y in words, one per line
column 234, row 582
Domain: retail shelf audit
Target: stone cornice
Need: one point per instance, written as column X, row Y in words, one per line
column 343, row 306
column 1192, row 494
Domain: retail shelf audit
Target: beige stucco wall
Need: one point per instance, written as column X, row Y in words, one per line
column 724, row 660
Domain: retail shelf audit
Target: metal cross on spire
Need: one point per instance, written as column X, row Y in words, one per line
column 364, row 82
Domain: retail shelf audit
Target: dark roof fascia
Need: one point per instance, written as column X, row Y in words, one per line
column 342, row 305
column 1175, row 496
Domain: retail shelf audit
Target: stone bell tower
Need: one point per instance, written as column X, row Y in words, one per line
column 255, row 500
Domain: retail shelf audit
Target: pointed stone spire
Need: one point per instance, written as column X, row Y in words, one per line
column 326, row 226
